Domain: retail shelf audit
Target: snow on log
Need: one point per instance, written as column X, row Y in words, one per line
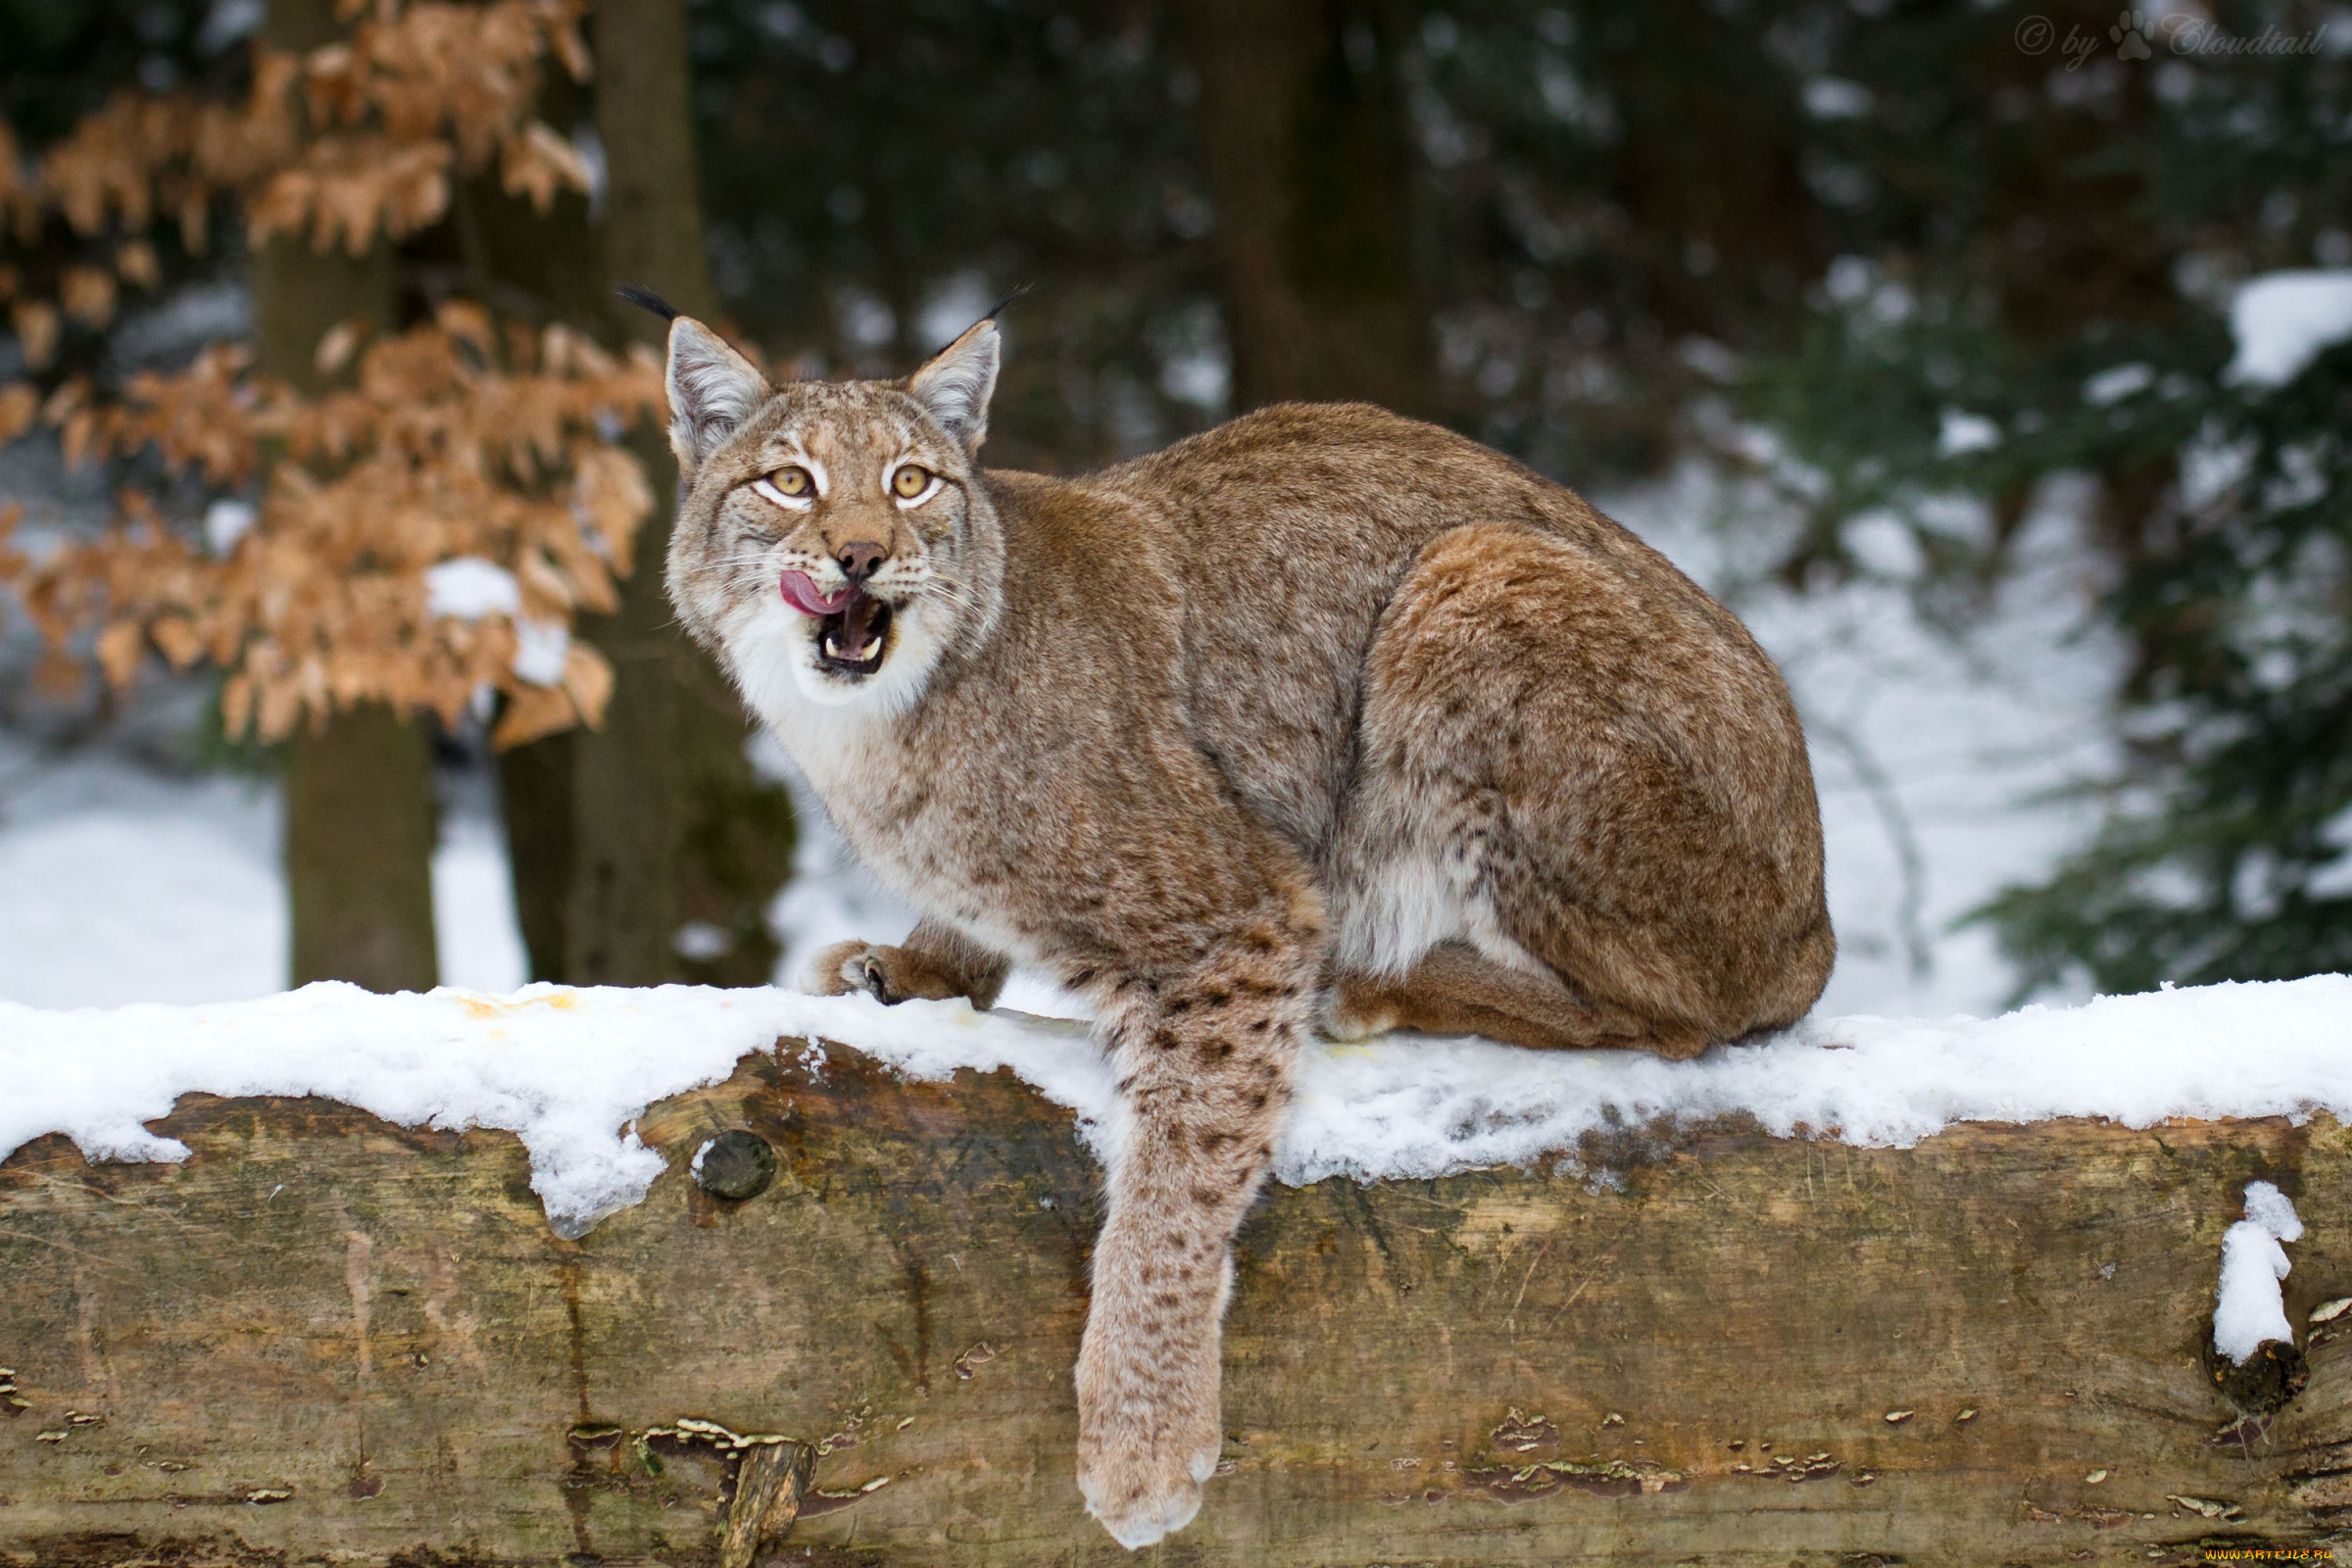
column 697, row 1277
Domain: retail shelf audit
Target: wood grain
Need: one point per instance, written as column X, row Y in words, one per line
column 324, row 1338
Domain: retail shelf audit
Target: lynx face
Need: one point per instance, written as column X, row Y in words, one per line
column 834, row 541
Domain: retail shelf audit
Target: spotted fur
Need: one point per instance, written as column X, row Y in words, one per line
column 1325, row 716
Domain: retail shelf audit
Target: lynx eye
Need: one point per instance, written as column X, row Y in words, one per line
column 910, row 480
column 791, row 486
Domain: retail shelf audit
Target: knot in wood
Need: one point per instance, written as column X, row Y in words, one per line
column 735, row 1166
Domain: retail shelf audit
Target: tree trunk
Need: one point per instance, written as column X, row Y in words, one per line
column 359, row 848
column 359, row 799
column 649, row 850
column 1305, row 140
column 325, row 1335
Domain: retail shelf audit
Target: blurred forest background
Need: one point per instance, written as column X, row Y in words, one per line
column 1993, row 357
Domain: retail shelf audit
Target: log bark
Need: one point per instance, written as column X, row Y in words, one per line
column 324, row 1337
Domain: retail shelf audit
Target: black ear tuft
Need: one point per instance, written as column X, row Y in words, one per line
column 995, row 310
column 1007, row 302
column 647, row 299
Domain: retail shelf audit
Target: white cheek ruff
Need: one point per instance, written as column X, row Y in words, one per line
column 772, row 656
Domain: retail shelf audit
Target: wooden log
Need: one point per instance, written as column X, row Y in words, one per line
column 324, row 1338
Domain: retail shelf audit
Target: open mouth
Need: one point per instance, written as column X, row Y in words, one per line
column 850, row 640
column 853, row 626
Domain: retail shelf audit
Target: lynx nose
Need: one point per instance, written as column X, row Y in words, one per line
column 860, row 560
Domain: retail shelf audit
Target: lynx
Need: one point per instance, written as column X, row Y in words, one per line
column 1324, row 719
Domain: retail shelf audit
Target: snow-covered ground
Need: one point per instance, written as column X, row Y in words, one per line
column 123, row 883
column 120, row 883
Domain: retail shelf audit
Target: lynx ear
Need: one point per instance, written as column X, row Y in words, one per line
column 712, row 390
column 956, row 385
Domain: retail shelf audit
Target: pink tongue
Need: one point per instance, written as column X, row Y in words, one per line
column 800, row 592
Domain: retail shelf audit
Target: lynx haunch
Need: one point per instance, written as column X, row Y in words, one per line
column 1324, row 719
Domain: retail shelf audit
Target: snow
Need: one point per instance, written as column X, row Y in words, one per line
column 475, row 933
column 226, row 521
column 469, row 588
column 118, row 884
column 2251, row 1308
column 540, row 649
column 2273, row 1211
column 569, row 1070
column 168, row 886
column 1835, row 98
column 2284, row 320
column 2118, row 382
column 228, row 21
column 1403, row 1109
column 1961, row 432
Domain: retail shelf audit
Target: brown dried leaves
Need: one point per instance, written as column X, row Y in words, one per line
column 348, row 143
column 417, row 93
column 455, row 441
column 438, row 453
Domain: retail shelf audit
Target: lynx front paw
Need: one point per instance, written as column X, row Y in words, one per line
column 892, row 975
column 1140, row 1466
column 848, row 968
column 1142, row 1492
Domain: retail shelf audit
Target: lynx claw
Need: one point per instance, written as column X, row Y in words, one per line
column 892, row 975
column 867, row 975
column 849, row 967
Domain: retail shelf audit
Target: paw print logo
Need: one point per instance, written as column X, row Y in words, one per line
column 2130, row 35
